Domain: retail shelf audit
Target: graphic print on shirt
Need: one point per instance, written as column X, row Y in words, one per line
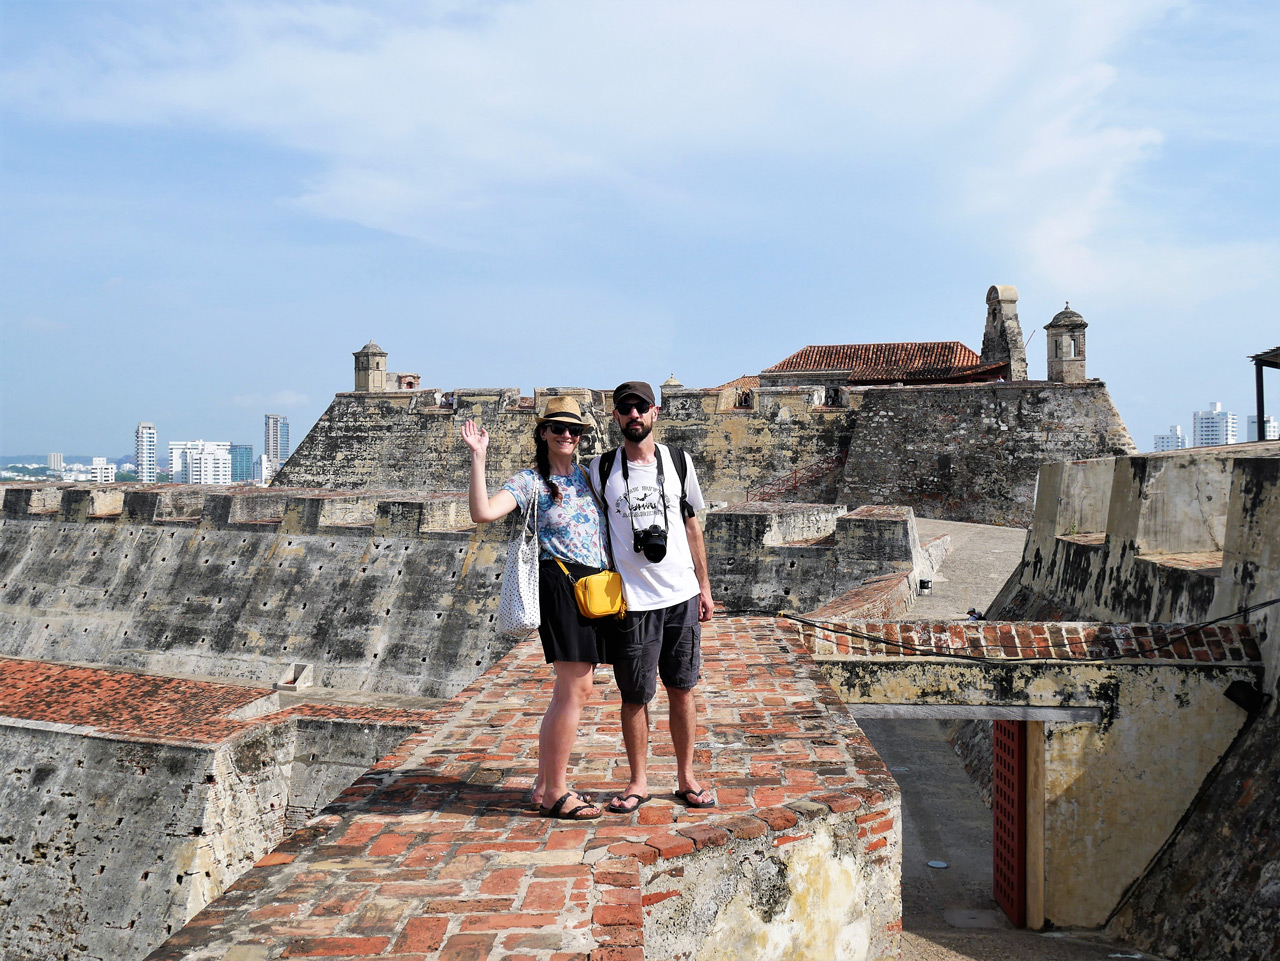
column 644, row 507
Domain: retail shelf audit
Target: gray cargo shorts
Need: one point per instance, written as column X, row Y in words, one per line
column 664, row 643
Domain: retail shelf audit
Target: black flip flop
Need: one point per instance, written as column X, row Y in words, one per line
column 690, row 799
column 532, row 805
column 615, row 808
column 573, row 814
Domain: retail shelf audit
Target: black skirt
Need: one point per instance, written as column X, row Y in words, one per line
column 566, row 634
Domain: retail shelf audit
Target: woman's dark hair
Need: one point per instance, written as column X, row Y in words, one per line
column 542, row 458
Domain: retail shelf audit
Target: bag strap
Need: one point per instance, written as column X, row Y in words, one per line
column 529, row 522
column 566, row 571
column 606, row 466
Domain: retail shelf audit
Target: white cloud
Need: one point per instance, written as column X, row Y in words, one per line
column 484, row 125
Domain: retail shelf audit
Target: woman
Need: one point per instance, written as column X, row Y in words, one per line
column 568, row 530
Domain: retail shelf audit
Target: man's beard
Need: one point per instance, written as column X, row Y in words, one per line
column 637, row 432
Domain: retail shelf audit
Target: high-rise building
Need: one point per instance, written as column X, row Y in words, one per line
column 1213, row 427
column 275, row 439
column 263, row 470
column 100, row 472
column 1270, row 428
column 200, row 462
column 54, row 462
column 241, row 463
column 144, row 443
column 1174, row 440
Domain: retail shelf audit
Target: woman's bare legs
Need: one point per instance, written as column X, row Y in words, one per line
column 560, row 729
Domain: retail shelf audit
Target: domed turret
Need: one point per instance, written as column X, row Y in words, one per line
column 1065, row 342
column 371, row 368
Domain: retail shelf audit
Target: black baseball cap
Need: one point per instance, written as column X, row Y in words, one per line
column 634, row 388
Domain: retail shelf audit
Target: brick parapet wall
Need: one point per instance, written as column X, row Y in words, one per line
column 1222, row 643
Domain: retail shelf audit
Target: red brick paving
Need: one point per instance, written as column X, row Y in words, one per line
column 432, row 854
column 154, row 708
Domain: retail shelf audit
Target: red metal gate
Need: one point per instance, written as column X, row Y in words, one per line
column 1009, row 807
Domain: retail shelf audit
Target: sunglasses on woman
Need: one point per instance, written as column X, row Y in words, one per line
column 641, row 407
column 559, row 429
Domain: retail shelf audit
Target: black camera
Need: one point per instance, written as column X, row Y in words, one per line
column 651, row 542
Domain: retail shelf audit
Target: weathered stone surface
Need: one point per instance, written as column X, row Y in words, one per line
column 971, row 740
column 963, row 452
column 1113, row 787
column 1183, row 536
column 770, row 557
column 108, row 844
column 1214, row 890
column 411, row 612
column 1177, row 537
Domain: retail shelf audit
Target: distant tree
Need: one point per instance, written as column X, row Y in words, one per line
column 126, row 476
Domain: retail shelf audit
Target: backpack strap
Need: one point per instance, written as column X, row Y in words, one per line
column 678, row 461
column 682, row 471
column 606, row 468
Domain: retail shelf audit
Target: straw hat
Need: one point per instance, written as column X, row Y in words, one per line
column 563, row 410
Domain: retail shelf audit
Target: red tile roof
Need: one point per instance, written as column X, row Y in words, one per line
column 745, row 382
column 878, row 363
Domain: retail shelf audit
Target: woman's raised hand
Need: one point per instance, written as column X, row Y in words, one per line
column 477, row 438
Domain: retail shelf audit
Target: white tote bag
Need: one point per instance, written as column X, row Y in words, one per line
column 518, row 605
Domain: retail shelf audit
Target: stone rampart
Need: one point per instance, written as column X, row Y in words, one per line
column 1213, row 890
column 1188, row 536
column 962, row 452
column 435, row 854
column 771, row 557
column 129, row 802
column 1176, row 537
column 361, row 587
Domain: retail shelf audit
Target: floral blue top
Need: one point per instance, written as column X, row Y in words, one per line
column 570, row 529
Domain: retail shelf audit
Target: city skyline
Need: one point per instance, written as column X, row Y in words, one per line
column 520, row 195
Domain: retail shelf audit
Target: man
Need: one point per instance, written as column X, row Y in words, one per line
column 658, row 549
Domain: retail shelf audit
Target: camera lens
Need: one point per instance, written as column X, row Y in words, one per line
column 656, row 547
column 652, row 542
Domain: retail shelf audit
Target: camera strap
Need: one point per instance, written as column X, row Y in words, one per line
column 662, row 489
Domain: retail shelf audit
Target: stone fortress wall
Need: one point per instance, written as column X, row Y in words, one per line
column 1185, row 537
column 386, row 600
column 359, row 562
column 957, row 451
column 955, row 443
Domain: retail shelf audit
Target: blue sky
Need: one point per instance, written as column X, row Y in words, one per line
column 209, row 206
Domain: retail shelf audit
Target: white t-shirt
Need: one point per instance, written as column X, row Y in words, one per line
column 649, row 586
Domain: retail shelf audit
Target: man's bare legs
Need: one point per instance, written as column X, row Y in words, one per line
column 560, row 729
column 635, row 735
column 684, row 732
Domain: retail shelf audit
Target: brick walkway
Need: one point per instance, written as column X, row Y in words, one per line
column 433, row 855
